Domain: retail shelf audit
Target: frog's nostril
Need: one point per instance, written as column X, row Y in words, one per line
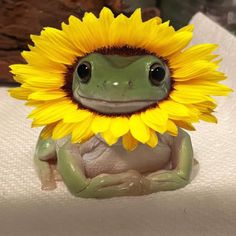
column 104, row 83
column 130, row 83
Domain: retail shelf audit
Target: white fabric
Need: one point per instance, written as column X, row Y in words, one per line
column 205, row 207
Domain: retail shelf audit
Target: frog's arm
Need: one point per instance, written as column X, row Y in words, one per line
column 71, row 169
column 182, row 159
column 45, row 151
column 102, row 186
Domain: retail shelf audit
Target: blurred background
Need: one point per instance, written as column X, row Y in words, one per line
column 20, row 18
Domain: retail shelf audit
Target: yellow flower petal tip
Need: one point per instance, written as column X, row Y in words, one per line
column 193, row 72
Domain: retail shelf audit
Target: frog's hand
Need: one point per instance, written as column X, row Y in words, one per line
column 101, row 186
column 182, row 160
column 45, row 151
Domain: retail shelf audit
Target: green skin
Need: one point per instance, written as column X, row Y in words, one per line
column 119, row 85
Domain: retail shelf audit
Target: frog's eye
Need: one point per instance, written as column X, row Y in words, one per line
column 84, row 72
column 157, row 74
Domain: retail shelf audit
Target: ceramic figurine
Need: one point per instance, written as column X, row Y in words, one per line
column 114, row 95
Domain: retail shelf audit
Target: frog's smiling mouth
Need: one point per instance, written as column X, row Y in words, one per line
column 114, row 107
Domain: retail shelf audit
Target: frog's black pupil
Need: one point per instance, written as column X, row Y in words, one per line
column 84, row 72
column 157, row 74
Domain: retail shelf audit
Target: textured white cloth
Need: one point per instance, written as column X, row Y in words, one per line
column 205, row 207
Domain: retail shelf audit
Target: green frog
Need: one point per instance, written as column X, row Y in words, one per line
column 117, row 85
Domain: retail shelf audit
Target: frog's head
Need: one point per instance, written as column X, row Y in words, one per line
column 116, row 84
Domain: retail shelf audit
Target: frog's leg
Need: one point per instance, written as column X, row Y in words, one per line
column 101, row 186
column 44, row 154
column 182, row 160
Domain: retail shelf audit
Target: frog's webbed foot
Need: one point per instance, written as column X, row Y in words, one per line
column 46, row 163
column 130, row 183
column 165, row 180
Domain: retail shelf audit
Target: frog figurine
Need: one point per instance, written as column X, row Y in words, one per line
column 123, row 84
column 114, row 95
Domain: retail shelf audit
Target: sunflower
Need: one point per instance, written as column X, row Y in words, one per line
column 45, row 83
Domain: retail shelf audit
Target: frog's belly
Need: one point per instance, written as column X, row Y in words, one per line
column 115, row 159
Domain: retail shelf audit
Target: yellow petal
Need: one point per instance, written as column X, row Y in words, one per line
column 36, row 77
column 208, row 118
column 188, row 97
column 136, row 16
column 109, row 137
column 40, row 83
column 211, row 76
column 81, row 130
column 205, row 88
column 174, row 109
column 61, row 130
column 129, row 142
column 194, row 53
column 87, row 135
column 77, row 115
column 155, row 119
column 156, row 20
column 138, row 129
column 42, row 62
column 79, row 35
column 70, row 31
column 205, row 106
column 106, row 16
column 194, row 70
column 100, row 124
column 58, row 38
column 51, row 50
column 47, row 95
column 45, row 105
column 153, row 140
column 172, row 128
column 34, row 103
column 19, row 79
column 47, row 131
column 119, row 126
column 20, row 93
column 94, row 26
column 176, row 43
column 51, row 112
column 119, row 26
column 185, row 125
column 194, row 114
